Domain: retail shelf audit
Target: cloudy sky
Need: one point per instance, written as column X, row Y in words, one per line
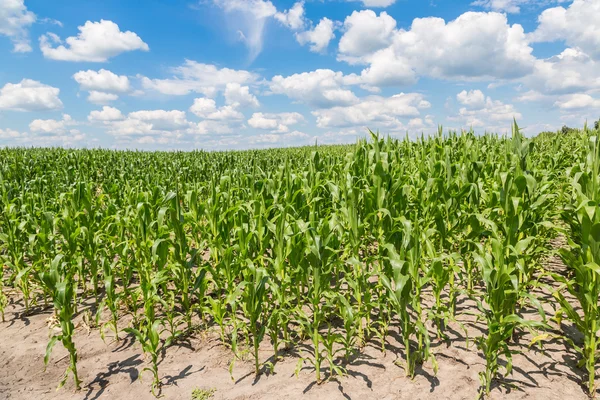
column 230, row 74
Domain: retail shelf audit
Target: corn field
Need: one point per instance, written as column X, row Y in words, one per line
column 330, row 247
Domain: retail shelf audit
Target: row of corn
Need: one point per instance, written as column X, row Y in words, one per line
column 317, row 249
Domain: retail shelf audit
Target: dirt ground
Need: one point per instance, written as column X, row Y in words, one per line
column 113, row 370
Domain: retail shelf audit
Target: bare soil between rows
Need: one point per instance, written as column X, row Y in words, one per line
column 114, row 370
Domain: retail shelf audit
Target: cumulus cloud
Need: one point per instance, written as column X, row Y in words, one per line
column 294, row 138
column 214, row 127
column 107, row 114
column 206, row 79
column 103, row 85
column 474, row 46
column 473, row 98
column 276, row 123
column 11, row 134
column 578, row 25
column 569, row 72
column 101, row 97
column 318, row 37
column 479, row 111
column 376, row 3
column 207, row 109
column 15, row 20
column 292, row 18
column 320, row 88
column 96, row 42
column 29, row 95
column 102, row 81
column 512, row 6
column 165, row 127
column 240, row 96
column 365, row 33
column 577, row 101
column 149, row 122
column 374, row 112
column 51, row 126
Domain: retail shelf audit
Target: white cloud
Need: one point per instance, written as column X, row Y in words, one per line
column 213, row 127
column 45, row 133
column 276, row 123
column 318, row 37
column 29, row 95
column 11, row 134
column 151, row 122
column 475, row 46
column 103, row 85
column 15, row 20
column 376, row 3
column 249, row 18
column 238, row 95
column 531, row 96
column 365, row 33
column 226, row 113
column 321, row 88
column 417, row 124
column 260, row 121
column 569, row 72
column 577, row 101
column 512, row 6
column 96, row 42
column 103, row 81
column 578, row 25
column 374, row 112
column 107, row 114
column 509, row 6
column 472, row 98
column 292, row 18
column 292, row 138
column 101, row 97
column 202, row 107
column 192, row 76
column 484, row 113
column 207, row 109
column 51, row 126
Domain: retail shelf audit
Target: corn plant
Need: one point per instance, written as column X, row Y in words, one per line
column 403, row 280
column 112, row 298
column 498, row 305
column 59, row 281
column 320, row 248
column 583, row 259
column 253, row 305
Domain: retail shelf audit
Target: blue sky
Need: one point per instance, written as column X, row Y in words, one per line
column 234, row 74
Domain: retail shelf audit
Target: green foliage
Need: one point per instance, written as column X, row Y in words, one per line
column 325, row 249
column 203, row 394
column 583, row 257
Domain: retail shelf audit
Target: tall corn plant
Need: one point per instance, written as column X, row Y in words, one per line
column 498, row 304
column 583, row 258
column 404, row 280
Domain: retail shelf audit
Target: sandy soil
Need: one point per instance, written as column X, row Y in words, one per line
column 113, row 370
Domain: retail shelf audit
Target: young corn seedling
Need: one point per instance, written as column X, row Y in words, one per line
column 319, row 265
column 149, row 328
column 441, row 274
column 253, row 297
column 3, row 297
column 498, row 306
column 111, row 300
column 59, row 281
